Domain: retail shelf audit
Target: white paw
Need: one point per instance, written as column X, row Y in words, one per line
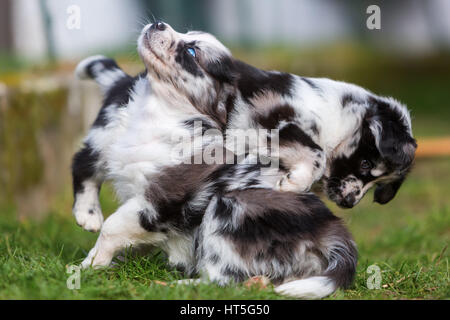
column 87, row 262
column 289, row 183
column 190, row 282
column 89, row 218
column 96, row 259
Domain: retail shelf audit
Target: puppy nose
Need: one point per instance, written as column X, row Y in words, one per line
column 159, row 26
column 349, row 200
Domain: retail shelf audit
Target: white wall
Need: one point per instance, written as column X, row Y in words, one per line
column 29, row 38
column 294, row 21
column 109, row 24
column 105, row 24
column 412, row 26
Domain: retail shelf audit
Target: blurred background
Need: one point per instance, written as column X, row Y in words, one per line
column 45, row 111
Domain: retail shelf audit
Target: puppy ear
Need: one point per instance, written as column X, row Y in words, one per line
column 386, row 192
column 391, row 133
column 222, row 69
column 397, row 148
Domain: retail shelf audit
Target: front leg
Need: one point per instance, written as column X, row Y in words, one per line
column 86, row 187
column 132, row 225
column 302, row 176
column 302, row 157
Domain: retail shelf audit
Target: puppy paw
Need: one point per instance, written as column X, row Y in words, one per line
column 97, row 259
column 89, row 218
column 288, row 183
column 87, row 262
column 258, row 282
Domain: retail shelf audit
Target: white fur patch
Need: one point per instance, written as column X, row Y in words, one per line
column 80, row 70
column 309, row 288
column 121, row 230
column 105, row 78
column 86, row 210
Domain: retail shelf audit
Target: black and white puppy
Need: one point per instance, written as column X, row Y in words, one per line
column 223, row 221
column 342, row 132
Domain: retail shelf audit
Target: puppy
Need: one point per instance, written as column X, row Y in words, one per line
column 223, row 221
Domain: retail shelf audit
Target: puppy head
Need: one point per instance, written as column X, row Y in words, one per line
column 184, row 62
column 382, row 157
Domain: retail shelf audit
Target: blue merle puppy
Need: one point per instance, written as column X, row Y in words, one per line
column 328, row 130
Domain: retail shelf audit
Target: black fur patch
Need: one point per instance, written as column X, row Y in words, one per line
column 279, row 113
column 291, row 133
column 229, row 104
column 117, row 95
column 186, row 61
column 396, row 144
column 107, row 64
column 222, row 69
column 145, row 223
column 252, row 81
column 350, row 98
column 177, row 212
column 386, row 192
column 83, row 167
column 173, row 192
column 224, row 209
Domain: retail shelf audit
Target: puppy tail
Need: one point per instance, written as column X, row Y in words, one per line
column 339, row 250
column 309, row 288
column 103, row 70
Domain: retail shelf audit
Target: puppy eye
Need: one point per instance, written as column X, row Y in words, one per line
column 191, row 51
column 366, row 165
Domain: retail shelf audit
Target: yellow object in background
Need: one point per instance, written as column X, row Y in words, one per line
column 431, row 147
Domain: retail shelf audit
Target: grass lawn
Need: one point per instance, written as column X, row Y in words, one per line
column 406, row 239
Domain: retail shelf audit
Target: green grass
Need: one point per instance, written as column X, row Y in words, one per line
column 406, row 238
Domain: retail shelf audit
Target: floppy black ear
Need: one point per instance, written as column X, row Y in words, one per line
column 222, row 69
column 392, row 135
column 386, row 192
column 398, row 148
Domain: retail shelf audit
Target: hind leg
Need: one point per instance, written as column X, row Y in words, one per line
column 122, row 229
column 86, row 208
column 86, row 187
column 218, row 260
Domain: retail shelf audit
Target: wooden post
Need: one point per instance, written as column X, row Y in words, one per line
column 6, row 39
